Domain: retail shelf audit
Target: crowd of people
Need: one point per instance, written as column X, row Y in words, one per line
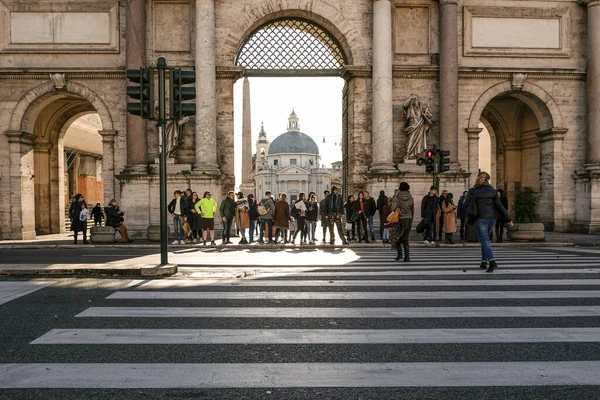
column 277, row 220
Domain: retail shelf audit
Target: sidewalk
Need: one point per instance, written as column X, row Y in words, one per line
column 65, row 241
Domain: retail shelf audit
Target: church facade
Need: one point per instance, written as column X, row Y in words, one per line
column 290, row 164
column 527, row 72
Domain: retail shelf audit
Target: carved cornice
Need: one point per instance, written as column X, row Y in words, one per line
column 43, row 75
column 542, row 76
column 451, row 2
column 230, row 72
column 108, row 136
column 355, row 71
column 473, row 133
column 20, row 137
column 552, row 134
column 589, row 3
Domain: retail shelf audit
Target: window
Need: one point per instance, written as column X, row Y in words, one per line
column 293, row 161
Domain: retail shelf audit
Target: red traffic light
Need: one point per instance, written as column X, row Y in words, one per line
column 429, row 153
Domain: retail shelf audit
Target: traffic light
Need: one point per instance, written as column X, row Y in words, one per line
column 444, row 160
column 142, row 91
column 430, row 161
column 178, row 93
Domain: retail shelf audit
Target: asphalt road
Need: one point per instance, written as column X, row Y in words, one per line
column 85, row 338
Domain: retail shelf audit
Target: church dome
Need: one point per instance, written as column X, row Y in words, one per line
column 293, row 143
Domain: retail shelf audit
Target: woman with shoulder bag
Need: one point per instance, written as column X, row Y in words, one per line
column 400, row 232
column 484, row 205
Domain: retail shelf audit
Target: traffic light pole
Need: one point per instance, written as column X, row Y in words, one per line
column 162, row 132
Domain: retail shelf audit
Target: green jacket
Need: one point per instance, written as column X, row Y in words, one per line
column 206, row 206
column 227, row 208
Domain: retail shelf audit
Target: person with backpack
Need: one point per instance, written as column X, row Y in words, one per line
column 299, row 213
column 483, row 206
column 266, row 210
column 75, row 213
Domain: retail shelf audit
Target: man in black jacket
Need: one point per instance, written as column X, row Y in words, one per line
column 334, row 208
column 429, row 206
column 381, row 202
column 323, row 216
column 441, row 219
column 370, row 210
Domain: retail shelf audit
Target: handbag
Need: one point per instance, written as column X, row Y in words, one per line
column 186, row 229
column 394, row 217
column 422, row 225
column 348, row 226
column 355, row 217
column 472, row 209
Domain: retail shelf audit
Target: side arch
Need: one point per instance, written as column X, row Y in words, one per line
column 28, row 108
column 319, row 12
column 541, row 103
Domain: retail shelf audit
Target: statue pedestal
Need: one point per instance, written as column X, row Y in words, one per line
column 411, row 167
column 172, row 168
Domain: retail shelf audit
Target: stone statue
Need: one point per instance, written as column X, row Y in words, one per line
column 175, row 135
column 418, row 124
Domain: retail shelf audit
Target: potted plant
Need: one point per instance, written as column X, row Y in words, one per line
column 524, row 210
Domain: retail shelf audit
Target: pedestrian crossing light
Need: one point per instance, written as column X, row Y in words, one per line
column 444, row 160
column 178, row 94
column 430, row 161
column 142, row 90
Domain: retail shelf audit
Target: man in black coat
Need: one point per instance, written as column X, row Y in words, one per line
column 429, row 207
column 370, row 210
column 323, row 215
column 381, row 202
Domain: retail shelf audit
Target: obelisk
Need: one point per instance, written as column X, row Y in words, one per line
column 247, row 185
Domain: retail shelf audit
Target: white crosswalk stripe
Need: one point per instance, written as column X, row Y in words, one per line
column 547, row 306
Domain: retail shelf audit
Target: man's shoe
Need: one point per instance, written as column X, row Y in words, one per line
column 213, row 243
column 432, row 243
column 426, row 242
column 204, row 243
column 345, row 243
column 181, row 242
column 373, row 239
column 331, row 242
column 175, row 242
column 483, row 265
column 492, row 266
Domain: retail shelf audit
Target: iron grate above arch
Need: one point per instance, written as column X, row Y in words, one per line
column 291, row 44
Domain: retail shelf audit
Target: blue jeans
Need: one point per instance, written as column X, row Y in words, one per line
column 310, row 230
column 251, row 231
column 484, row 228
column 385, row 235
column 269, row 223
column 177, row 225
column 371, row 230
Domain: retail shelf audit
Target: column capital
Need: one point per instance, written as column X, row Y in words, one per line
column 508, row 146
column 473, row 133
column 107, row 136
column 588, row 3
column 552, row 134
column 234, row 73
column 43, row 147
column 20, row 137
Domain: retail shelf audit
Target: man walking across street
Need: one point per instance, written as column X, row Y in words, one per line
column 429, row 208
column 323, row 215
column 334, row 208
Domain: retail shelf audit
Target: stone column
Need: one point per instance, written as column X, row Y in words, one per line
column 382, row 134
column 206, row 88
column 593, row 80
column 473, row 136
column 551, row 179
column 135, row 47
column 449, row 77
column 108, row 164
column 22, row 218
column 43, row 211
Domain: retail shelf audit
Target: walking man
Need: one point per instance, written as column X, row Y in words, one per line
column 334, row 208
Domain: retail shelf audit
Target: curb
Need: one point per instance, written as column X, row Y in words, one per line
column 143, row 271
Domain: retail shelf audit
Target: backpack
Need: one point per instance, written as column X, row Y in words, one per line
column 472, row 209
column 295, row 211
column 261, row 209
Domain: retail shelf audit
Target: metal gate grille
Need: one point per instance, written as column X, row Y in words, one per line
column 291, row 44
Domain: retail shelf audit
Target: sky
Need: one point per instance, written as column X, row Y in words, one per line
column 317, row 102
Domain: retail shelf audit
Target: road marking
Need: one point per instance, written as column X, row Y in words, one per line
column 182, row 283
column 275, row 375
column 317, row 336
column 146, row 295
column 13, row 290
column 340, row 312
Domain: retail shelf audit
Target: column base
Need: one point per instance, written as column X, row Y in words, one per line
column 135, row 169
column 247, row 188
column 382, row 169
column 587, row 209
column 206, row 169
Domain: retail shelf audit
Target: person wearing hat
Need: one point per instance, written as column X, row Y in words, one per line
column 334, row 209
column 429, row 208
column 206, row 208
column 242, row 217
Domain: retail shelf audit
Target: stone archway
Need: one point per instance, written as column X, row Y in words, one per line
column 528, row 126
column 35, row 158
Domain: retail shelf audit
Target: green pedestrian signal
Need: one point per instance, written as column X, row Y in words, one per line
column 444, row 160
column 178, row 93
column 142, row 90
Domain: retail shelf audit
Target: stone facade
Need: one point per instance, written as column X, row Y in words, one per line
column 529, row 71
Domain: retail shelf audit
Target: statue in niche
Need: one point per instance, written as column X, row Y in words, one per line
column 175, row 135
column 418, row 124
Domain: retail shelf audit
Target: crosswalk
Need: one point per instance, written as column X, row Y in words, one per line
column 437, row 322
